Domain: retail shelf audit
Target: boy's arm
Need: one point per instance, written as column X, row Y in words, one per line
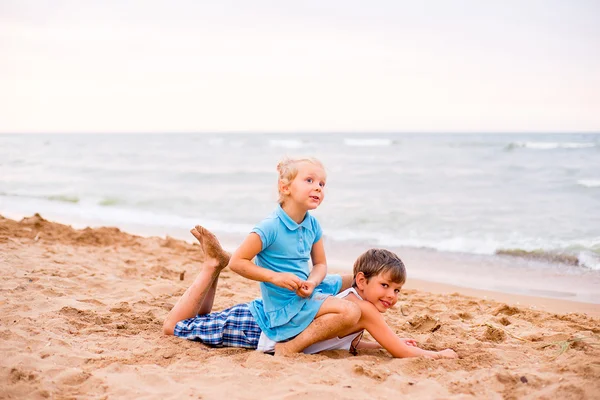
column 375, row 324
column 318, row 272
column 366, row 345
column 240, row 262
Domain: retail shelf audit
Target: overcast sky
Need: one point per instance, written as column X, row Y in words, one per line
column 205, row 66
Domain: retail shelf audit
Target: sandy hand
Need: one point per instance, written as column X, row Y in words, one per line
column 447, row 353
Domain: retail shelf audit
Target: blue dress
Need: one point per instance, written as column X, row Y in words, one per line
column 286, row 247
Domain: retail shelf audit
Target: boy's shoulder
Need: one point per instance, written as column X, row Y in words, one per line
column 365, row 306
column 370, row 318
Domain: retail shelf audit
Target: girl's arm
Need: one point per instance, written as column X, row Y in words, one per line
column 240, row 262
column 318, row 272
column 319, row 261
column 375, row 324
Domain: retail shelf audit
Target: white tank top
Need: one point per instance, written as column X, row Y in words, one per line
column 267, row 345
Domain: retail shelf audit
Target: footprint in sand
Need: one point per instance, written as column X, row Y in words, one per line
column 424, row 323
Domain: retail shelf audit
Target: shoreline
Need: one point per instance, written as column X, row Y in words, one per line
column 484, row 275
column 547, row 304
column 522, row 280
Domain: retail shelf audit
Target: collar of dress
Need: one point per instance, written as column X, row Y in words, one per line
column 290, row 223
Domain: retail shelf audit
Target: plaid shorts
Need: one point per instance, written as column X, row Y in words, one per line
column 233, row 327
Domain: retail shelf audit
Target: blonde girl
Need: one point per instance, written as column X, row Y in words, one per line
column 296, row 301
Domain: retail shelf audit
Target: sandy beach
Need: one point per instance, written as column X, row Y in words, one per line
column 82, row 311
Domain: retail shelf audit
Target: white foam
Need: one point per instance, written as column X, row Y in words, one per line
column 454, row 244
column 577, row 145
column 589, row 183
column 287, row 143
column 90, row 214
column 589, row 260
column 368, row 142
column 484, row 245
column 216, row 142
column 458, row 172
column 553, row 145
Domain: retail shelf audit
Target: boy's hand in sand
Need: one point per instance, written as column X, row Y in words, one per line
column 306, row 288
column 409, row 342
column 287, row 280
column 447, row 353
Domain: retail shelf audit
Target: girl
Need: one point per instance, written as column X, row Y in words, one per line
column 282, row 244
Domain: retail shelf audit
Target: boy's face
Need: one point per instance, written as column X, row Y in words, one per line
column 380, row 290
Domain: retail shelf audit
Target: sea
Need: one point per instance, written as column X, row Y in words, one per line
column 518, row 213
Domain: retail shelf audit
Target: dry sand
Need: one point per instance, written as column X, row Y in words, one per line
column 82, row 310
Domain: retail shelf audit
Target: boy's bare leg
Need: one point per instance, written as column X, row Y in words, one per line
column 199, row 297
column 334, row 317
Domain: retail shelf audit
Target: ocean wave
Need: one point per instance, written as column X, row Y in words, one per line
column 550, row 145
column 589, row 183
column 458, row 172
column 587, row 258
column 61, row 198
column 368, row 142
column 228, row 170
column 451, row 244
column 88, row 213
column 563, row 258
column 115, row 211
column 216, row 142
column 110, row 201
column 64, row 198
column 177, row 168
column 69, row 199
column 582, row 253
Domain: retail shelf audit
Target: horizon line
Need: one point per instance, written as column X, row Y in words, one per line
column 286, row 132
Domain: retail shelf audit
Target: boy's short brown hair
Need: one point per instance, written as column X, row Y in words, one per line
column 378, row 261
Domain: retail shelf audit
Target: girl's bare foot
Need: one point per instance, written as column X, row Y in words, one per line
column 210, row 246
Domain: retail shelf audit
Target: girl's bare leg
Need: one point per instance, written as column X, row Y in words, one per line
column 335, row 317
column 199, row 297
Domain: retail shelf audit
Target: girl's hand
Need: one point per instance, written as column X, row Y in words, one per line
column 409, row 342
column 447, row 353
column 287, row 280
column 306, row 288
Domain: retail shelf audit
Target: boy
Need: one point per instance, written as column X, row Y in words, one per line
column 378, row 278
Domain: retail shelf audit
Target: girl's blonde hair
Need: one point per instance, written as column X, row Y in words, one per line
column 288, row 170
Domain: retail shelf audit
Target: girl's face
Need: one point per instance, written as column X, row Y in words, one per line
column 307, row 188
column 379, row 290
